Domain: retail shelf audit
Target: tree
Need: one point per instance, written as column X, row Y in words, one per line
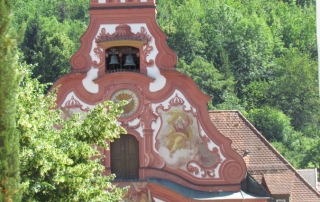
column 312, row 157
column 299, row 149
column 211, row 82
column 275, row 126
column 257, row 93
column 57, row 164
column 296, row 26
column 272, row 123
column 181, row 20
column 220, row 18
column 51, row 32
column 251, row 51
column 301, row 2
column 61, row 9
column 295, row 89
column 9, row 82
column 48, row 48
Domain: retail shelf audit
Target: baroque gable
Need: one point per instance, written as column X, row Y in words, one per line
column 166, row 111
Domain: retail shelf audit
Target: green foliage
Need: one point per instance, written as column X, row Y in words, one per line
column 181, row 21
column 301, row 2
column 300, row 151
column 9, row 82
column 293, row 155
column 52, row 32
column 61, row 9
column 256, row 55
column 272, row 123
column 296, row 27
column 55, row 163
column 311, row 157
column 48, row 47
column 294, row 90
column 217, row 25
column 252, row 50
column 209, row 80
column 257, row 94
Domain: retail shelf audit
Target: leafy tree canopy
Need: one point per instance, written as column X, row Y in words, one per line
column 258, row 56
column 272, row 123
column 56, row 164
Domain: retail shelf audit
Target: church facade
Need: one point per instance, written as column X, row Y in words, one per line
column 172, row 151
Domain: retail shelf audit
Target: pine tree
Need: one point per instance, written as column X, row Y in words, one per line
column 9, row 82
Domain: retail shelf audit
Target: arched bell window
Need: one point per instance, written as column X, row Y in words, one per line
column 124, row 153
column 122, row 59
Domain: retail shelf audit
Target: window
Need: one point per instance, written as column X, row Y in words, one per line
column 281, row 200
column 124, row 58
column 124, row 153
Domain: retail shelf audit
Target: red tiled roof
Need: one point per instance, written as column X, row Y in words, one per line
column 279, row 183
column 266, row 165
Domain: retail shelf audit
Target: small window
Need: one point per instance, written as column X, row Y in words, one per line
column 122, row 59
column 281, row 200
column 124, row 153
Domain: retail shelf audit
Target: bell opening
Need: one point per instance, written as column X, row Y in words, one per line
column 122, row 59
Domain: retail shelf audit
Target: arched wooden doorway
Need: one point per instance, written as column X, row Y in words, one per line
column 124, row 154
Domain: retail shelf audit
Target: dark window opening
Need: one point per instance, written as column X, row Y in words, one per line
column 122, row 59
column 124, row 153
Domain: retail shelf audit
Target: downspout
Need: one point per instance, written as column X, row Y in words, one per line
column 242, row 196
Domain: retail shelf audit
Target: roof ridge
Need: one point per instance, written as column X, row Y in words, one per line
column 268, row 144
column 220, row 110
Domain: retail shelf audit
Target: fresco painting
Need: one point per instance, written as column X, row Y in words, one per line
column 178, row 140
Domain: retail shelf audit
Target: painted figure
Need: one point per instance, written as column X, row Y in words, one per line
column 180, row 135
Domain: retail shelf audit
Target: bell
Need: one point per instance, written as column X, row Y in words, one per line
column 114, row 60
column 129, row 61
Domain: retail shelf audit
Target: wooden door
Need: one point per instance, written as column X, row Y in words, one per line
column 125, row 157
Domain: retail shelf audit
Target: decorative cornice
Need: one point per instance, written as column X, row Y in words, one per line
column 123, row 32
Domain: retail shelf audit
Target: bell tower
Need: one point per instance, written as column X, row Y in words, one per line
column 122, row 36
column 171, row 141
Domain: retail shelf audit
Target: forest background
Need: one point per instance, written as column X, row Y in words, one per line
column 255, row 56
